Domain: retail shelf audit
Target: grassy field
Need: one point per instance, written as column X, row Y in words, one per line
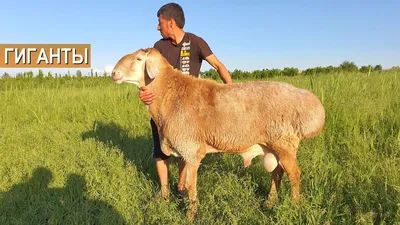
column 79, row 152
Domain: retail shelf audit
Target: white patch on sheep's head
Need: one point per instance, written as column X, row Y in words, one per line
column 138, row 67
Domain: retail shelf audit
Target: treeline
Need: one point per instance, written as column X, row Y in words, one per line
column 50, row 75
column 345, row 67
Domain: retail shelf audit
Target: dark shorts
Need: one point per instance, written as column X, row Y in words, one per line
column 157, row 153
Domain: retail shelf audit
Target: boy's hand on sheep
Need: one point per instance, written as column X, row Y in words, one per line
column 146, row 96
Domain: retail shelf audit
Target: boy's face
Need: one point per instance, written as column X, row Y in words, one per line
column 164, row 26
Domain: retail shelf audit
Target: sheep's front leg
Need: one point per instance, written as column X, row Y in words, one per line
column 192, row 166
column 191, row 187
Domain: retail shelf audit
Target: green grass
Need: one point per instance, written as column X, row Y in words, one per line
column 79, row 152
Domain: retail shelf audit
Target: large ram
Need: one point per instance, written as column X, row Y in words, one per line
column 199, row 116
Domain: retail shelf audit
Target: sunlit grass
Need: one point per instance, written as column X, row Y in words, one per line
column 79, row 152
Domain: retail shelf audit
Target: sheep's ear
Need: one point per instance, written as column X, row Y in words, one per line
column 151, row 67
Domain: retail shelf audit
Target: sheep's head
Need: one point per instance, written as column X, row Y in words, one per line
column 139, row 67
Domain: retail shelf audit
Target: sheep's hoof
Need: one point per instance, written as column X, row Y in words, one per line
column 272, row 199
column 182, row 193
column 192, row 212
column 164, row 193
column 269, row 203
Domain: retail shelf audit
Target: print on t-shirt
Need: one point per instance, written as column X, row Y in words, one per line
column 185, row 58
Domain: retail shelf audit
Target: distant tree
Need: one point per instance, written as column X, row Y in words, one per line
column 237, row 74
column 365, row 69
column 330, row 69
column 78, row 73
column 5, row 75
column 309, row 71
column 49, row 75
column 348, row 66
column 264, row 73
column 105, row 73
column 246, row 74
column 210, row 74
column 96, row 74
column 28, row 74
column 19, row 75
column 91, row 72
column 274, row 72
column 290, row 71
column 378, row 68
column 40, row 74
column 241, row 74
column 395, row 68
column 321, row 70
column 257, row 74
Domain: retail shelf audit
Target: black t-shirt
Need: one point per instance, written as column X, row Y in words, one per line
column 186, row 56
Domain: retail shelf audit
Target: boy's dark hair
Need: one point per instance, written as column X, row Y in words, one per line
column 174, row 11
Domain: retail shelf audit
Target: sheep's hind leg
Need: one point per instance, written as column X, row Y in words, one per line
column 272, row 165
column 277, row 174
column 286, row 148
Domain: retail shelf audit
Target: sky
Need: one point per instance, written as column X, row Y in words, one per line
column 245, row 35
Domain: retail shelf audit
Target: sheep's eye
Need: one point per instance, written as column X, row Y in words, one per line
column 138, row 59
